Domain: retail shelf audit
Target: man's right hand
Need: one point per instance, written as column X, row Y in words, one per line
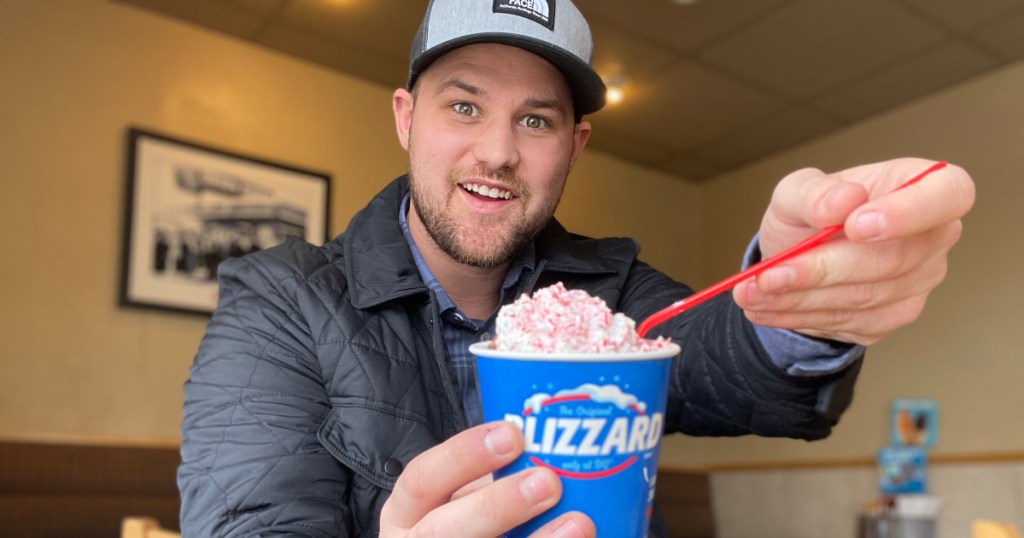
column 446, row 491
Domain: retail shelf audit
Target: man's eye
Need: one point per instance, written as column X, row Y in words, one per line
column 535, row 122
column 464, row 109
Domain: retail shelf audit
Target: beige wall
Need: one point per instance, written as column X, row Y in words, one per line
column 74, row 74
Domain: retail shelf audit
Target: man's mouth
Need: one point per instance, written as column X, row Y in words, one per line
column 495, row 193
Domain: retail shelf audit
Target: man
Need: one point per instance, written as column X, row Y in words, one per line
column 333, row 394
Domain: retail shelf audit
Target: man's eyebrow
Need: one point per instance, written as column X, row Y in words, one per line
column 554, row 105
column 462, row 85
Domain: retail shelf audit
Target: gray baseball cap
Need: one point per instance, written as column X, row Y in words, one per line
column 552, row 29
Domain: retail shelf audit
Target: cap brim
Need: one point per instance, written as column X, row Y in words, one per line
column 587, row 88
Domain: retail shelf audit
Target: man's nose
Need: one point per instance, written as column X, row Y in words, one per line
column 497, row 146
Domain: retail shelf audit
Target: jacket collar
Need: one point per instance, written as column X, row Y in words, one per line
column 380, row 268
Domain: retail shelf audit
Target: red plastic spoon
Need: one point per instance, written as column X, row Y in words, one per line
column 687, row 303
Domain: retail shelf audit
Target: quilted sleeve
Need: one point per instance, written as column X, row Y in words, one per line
column 724, row 383
column 251, row 462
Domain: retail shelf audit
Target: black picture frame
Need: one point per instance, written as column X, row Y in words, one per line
column 189, row 206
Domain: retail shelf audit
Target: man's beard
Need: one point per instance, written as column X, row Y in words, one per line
column 443, row 227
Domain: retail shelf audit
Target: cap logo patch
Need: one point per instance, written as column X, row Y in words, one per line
column 540, row 11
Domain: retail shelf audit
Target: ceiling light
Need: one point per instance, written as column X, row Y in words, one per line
column 615, row 90
column 614, row 95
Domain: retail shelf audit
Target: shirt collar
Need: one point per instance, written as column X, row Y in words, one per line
column 522, row 265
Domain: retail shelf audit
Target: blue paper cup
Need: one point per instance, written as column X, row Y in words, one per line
column 595, row 420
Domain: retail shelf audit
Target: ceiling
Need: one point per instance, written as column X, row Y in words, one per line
column 708, row 86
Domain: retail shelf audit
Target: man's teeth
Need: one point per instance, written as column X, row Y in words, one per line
column 490, row 192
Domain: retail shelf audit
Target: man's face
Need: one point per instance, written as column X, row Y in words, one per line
column 491, row 139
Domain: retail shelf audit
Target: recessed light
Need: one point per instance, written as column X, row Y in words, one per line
column 614, row 95
column 615, row 88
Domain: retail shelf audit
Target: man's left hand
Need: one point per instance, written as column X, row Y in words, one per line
column 875, row 276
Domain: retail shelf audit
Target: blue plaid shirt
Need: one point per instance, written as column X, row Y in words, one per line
column 459, row 330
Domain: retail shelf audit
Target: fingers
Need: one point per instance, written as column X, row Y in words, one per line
column 861, row 312
column 867, row 201
column 858, row 296
column 569, row 525
column 432, row 478
column 944, row 196
column 475, row 485
column 446, row 491
column 494, row 509
column 842, row 262
column 851, row 292
column 865, row 326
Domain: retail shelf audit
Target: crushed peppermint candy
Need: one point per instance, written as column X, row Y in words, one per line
column 559, row 320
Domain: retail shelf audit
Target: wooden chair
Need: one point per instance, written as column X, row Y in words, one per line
column 144, row 527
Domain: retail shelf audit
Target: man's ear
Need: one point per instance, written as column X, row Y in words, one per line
column 402, row 104
column 580, row 135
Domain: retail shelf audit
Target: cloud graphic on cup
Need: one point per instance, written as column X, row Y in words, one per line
column 610, row 394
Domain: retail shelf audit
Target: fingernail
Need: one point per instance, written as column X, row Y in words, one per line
column 568, row 529
column 499, row 440
column 871, row 226
column 536, row 487
column 778, row 278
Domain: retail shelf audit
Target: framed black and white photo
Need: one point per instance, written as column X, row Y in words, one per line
column 190, row 207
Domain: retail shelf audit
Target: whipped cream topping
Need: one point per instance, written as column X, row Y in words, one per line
column 559, row 320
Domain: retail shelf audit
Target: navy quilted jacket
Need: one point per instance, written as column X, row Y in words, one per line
column 323, row 372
